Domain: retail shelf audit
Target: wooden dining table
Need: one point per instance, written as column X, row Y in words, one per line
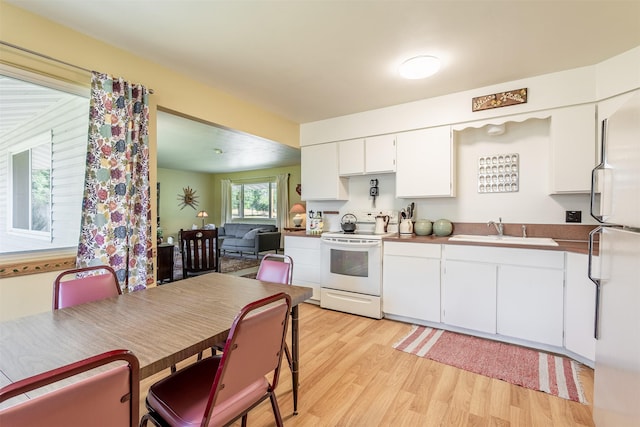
column 161, row 325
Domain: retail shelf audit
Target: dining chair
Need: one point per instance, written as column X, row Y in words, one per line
column 200, row 252
column 106, row 397
column 277, row 268
column 85, row 286
column 219, row 390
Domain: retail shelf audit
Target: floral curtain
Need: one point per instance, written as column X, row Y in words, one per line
column 116, row 215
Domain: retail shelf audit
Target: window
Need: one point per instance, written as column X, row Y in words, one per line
column 43, row 148
column 254, row 201
column 31, row 186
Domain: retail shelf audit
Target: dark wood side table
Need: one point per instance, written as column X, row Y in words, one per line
column 295, row 229
column 165, row 262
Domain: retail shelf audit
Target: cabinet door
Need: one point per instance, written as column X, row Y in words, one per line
column 469, row 295
column 425, row 163
column 411, row 287
column 380, row 154
column 351, row 157
column 573, row 149
column 531, row 303
column 305, row 252
column 319, row 173
column 580, row 306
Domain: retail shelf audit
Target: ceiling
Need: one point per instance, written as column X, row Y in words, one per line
column 214, row 149
column 310, row 60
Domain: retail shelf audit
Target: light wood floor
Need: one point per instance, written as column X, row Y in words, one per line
column 351, row 376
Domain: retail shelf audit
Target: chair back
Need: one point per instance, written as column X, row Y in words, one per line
column 85, row 287
column 276, row 268
column 253, row 349
column 109, row 398
column 200, row 252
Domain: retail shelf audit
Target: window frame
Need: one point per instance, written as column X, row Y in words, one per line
column 44, row 138
column 65, row 79
column 273, row 203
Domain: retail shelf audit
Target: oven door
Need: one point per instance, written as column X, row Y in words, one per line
column 352, row 265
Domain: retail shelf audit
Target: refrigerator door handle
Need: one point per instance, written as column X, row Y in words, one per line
column 595, row 280
column 594, row 175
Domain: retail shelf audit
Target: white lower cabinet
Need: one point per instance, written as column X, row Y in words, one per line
column 535, row 297
column 580, row 307
column 530, row 303
column 469, row 295
column 305, row 252
column 411, row 280
column 518, row 293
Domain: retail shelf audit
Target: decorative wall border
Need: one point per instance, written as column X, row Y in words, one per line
column 501, row 99
column 23, row 268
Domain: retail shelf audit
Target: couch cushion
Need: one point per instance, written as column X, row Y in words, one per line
column 234, row 242
column 240, row 230
column 251, row 234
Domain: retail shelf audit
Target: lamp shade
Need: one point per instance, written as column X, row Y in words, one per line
column 203, row 215
column 297, row 208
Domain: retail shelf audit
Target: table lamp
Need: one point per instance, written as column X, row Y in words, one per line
column 297, row 208
column 203, row 215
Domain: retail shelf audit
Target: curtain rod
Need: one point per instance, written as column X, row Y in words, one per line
column 257, row 177
column 50, row 58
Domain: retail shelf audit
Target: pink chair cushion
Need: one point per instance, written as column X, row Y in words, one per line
column 253, row 350
column 273, row 271
column 94, row 400
column 86, row 289
column 181, row 399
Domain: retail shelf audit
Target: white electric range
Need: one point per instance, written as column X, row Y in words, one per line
column 351, row 267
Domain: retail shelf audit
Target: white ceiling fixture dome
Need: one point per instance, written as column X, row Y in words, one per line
column 419, row 67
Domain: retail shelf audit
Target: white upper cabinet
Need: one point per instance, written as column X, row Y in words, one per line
column 375, row 154
column 425, row 163
column 319, row 173
column 351, row 157
column 380, row 154
column 573, row 149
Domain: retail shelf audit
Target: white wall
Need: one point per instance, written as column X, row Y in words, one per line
column 531, row 204
column 531, row 139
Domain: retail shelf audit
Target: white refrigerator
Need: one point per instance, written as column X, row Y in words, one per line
column 615, row 195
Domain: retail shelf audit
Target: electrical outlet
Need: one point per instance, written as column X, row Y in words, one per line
column 573, row 216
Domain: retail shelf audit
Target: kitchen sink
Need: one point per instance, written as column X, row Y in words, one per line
column 504, row 240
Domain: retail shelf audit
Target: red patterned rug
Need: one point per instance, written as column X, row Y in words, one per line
column 228, row 264
column 533, row 369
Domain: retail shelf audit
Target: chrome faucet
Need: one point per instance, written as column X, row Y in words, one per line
column 499, row 226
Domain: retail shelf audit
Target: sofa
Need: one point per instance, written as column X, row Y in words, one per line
column 248, row 238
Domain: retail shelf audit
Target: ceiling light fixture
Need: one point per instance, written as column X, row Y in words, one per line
column 419, row 67
column 217, row 151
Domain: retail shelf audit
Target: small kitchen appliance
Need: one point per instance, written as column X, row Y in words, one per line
column 382, row 221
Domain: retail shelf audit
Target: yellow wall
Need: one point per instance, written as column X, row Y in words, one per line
column 25, row 295
column 208, row 188
column 171, row 90
column 172, row 217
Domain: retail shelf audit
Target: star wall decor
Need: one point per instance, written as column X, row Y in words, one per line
column 188, row 198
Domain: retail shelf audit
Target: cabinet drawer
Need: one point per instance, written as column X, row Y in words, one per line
column 418, row 250
column 511, row 256
column 301, row 242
